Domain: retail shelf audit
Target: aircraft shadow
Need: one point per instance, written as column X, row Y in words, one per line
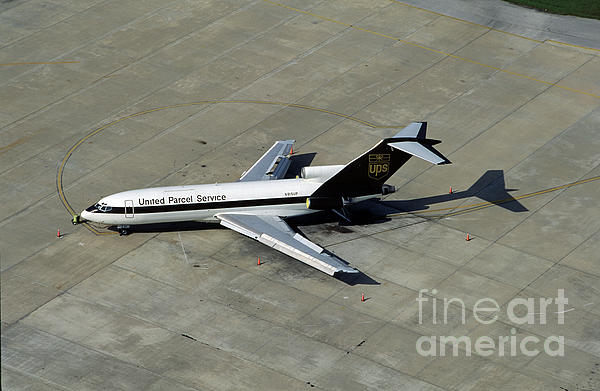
column 359, row 278
column 350, row 279
column 490, row 187
column 324, row 217
column 170, row 227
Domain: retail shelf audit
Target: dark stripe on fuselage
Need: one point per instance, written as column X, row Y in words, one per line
column 207, row 205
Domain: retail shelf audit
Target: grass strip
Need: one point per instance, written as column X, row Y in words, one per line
column 583, row 8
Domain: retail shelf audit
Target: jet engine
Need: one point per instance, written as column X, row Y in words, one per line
column 324, row 203
column 320, row 172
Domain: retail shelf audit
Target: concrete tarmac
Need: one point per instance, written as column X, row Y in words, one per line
column 149, row 93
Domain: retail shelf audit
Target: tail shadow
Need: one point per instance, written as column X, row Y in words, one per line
column 490, row 187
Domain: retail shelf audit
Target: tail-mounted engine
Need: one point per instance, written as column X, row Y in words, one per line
column 324, row 203
column 320, row 172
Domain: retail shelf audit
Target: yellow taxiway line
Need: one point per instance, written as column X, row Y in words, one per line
column 491, row 28
column 506, row 71
column 295, row 105
column 39, row 63
column 61, row 167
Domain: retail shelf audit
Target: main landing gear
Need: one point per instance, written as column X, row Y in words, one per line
column 344, row 214
column 123, row 230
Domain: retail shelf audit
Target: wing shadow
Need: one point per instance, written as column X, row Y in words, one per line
column 359, row 278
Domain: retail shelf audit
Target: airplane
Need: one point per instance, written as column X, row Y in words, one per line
column 260, row 201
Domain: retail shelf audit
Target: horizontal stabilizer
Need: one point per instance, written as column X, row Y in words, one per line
column 366, row 174
column 423, row 151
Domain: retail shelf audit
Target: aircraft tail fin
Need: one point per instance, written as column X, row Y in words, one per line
column 367, row 174
column 412, row 140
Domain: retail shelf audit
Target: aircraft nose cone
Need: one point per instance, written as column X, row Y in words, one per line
column 85, row 215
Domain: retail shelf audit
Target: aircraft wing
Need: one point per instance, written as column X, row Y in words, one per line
column 275, row 233
column 272, row 165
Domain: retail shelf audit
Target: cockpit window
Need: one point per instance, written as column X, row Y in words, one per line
column 102, row 207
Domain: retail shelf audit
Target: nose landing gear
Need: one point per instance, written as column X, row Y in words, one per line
column 123, row 230
column 76, row 220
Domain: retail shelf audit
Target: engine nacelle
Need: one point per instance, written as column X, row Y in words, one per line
column 320, row 172
column 324, row 203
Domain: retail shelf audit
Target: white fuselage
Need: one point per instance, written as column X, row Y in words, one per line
column 284, row 197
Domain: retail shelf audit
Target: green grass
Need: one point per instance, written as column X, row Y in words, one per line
column 584, row 8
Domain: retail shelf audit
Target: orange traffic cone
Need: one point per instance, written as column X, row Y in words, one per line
column 291, row 150
column 258, row 263
column 468, row 238
column 58, row 233
column 362, row 297
column 450, row 192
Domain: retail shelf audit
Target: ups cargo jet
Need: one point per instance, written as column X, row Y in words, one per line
column 258, row 203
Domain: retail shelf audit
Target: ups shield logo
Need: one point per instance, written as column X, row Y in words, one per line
column 379, row 165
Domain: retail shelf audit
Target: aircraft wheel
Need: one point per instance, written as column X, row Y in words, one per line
column 123, row 232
